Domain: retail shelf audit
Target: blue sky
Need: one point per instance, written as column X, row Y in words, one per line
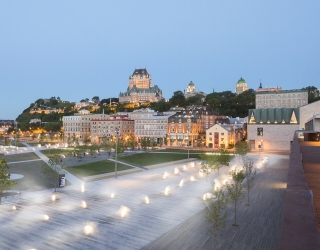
column 80, row 49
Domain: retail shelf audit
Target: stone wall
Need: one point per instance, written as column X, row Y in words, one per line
column 307, row 112
column 275, row 136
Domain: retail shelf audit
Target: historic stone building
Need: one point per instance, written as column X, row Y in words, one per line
column 116, row 125
column 241, row 86
column 140, row 89
column 281, row 98
column 77, row 126
column 191, row 90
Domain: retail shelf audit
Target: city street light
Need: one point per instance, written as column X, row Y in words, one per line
column 116, row 156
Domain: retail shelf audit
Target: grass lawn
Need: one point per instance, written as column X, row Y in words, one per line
column 181, row 150
column 20, row 157
column 146, row 159
column 66, row 152
column 95, row 168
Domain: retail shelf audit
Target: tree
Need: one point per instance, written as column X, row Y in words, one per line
column 130, row 142
column 178, row 99
column 5, row 182
column 214, row 161
column 93, row 148
column 41, row 138
column 78, row 152
column 56, row 167
column 235, row 190
column 250, row 175
column 242, row 148
column 144, row 143
column 86, row 139
column 215, row 212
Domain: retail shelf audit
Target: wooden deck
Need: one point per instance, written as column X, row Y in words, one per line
column 260, row 223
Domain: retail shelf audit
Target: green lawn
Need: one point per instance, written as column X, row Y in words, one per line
column 181, row 150
column 146, row 159
column 66, row 152
column 95, row 168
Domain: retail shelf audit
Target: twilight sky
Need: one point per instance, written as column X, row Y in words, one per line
column 80, row 49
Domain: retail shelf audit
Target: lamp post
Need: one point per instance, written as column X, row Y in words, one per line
column 188, row 142
column 116, row 156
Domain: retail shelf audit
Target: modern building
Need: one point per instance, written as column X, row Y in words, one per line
column 241, row 86
column 272, row 129
column 116, row 125
column 153, row 127
column 140, row 89
column 281, row 99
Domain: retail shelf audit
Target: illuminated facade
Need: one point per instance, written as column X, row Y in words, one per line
column 108, row 128
column 241, row 86
column 140, row 89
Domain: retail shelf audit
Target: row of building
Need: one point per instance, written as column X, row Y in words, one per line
column 278, row 114
column 180, row 128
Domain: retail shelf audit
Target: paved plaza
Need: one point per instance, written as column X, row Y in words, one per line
column 117, row 216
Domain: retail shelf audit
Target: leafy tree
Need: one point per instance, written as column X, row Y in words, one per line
column 313, row 93
column 242, row 148
column 165, row 140
column 144, row 143
column 106, row 145
column 215, row 212
column 235, row 190
column 250, row 175
column 86, row 139
column 195, row 100
column 178, row 99
column 56, row 167
column 130, row 142
column 5, row 182
column 78, row 152
column 41, row 138
column 214, row 161
column 93, row 148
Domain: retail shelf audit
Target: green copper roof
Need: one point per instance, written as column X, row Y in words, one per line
column 274, row 116
column 191, row 83
column 241, row 80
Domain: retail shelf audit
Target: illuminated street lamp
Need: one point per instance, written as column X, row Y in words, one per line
column 116, row 156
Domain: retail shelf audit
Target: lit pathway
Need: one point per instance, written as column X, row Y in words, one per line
column 25, row 227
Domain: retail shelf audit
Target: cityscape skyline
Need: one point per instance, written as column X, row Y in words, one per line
column 78, row 50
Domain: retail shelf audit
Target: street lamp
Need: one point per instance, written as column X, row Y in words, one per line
column 116, row 156
column 188, row 143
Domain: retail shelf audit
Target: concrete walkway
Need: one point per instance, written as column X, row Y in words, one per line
column 69, row 177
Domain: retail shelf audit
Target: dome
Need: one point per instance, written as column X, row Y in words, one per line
column 241, row 80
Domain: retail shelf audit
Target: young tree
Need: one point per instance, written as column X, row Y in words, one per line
column 144, row 143
column 235, row 190
column 242, row 148
column 41, row 138
column 86, row 139
column 215, row 212
column 214, row 161
column 56, row 167
column 130, row 142
column 5, row 182
column 93, row 148
column 250, row 175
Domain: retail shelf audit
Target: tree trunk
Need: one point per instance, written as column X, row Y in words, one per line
column 235, row 214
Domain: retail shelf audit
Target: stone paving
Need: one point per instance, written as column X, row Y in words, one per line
column 25, row 227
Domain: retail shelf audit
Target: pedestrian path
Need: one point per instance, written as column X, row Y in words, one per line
column 114, row 213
